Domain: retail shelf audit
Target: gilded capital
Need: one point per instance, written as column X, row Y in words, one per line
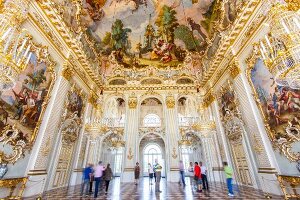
column 93, row 100
column 170, row 102
column 208, row 99
column 67, row 72
column 132, row 102
column 293, row 5
column 1, row 5
column 234, row 71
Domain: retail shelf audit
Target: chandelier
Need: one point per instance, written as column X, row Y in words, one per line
column 280, row 49
column 96, row 127
column 101, row 126
column 14, row 43
column 201, row 126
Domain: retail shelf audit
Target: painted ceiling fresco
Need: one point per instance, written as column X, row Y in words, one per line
column 141, row 33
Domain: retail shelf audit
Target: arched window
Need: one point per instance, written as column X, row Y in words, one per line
column 152, row 120
column 151, row 152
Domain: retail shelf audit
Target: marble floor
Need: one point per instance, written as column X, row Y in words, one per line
column 145, row 191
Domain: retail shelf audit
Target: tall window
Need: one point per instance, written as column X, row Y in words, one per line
column 186, row 158
column 118, row 162
column 152, row 120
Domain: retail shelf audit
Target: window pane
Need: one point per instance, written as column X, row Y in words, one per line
column 152, row 120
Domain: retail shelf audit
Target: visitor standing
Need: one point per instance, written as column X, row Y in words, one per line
column 136, row 173
column 228, row 173
column 98, row 174
column 91, row 180
column 181, row 171
column 191, row 173
column 204, row 176
column 197, row 177
column 154, row 174
column 86, row 177
column 157, row 170
column 151, row 172
column 108, row 174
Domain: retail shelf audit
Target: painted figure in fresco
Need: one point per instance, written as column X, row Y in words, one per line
column 283, row 100
column 75, row 103
column 28, row 108
column 281, row 105
column 3, row 114
column 162, row 50
column 227, row 102
column 196, row 27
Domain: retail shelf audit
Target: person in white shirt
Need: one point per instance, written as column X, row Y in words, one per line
column 151, row 172
column 204, row 176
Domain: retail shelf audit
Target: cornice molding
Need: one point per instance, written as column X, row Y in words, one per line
column 228, row 41
column 64, row 33
column 244, row 39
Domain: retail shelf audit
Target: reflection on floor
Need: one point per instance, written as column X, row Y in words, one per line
column 145, row 191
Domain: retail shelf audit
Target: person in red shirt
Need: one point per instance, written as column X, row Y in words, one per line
column 197, row 177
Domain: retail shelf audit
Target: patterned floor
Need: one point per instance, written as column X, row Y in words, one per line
column 144, row 191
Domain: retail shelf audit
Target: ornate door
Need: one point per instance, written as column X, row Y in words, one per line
column 240, row 161
column 63, row 169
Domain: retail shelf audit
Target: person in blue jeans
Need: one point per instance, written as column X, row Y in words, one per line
column 181, row 170
column 228, row 173
column 98, row 174
column 87, row 175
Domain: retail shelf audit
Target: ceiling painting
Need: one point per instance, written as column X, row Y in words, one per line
column 149, row 33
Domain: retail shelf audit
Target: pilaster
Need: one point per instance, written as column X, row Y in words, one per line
column 131, row 146
column 76, row 173
column 267, row 164
column 38, row 163
column 172, row 138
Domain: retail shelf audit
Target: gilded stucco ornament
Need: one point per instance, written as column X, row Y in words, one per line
column 10, row 139
column 234, row 69
column 12, row 184
column 208, row 99
column 93, row 99
column 291, row 135
column 293, row 5
column 174, row 154
column 130, row 154
column 230, row 114
column 70, row 129
column 170, row 101
column 67, row 72
column 1, row 5
column 72, row 117
column 132, row 101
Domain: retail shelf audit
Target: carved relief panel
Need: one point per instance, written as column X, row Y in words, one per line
column 69, row 132
column 233, row 126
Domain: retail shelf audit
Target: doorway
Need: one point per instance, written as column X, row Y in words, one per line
column 151, row 148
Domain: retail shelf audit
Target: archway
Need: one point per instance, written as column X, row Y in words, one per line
column 152, row 147
column 112, row 151
column 191, row 149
